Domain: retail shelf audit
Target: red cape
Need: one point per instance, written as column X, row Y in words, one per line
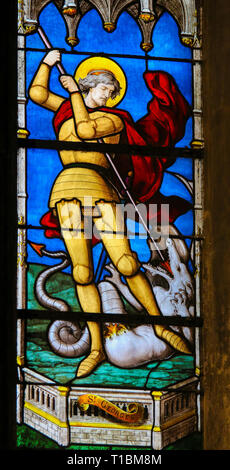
column 163, row 126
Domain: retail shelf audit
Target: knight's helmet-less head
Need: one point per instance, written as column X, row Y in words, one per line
column 94, row 70
column 94, row 77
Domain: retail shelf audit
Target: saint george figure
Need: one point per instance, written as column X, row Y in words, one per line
column 83, row 179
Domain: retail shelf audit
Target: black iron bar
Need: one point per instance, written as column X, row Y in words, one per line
column 141, row 318
column 122, row 56
column 125, row 232
column 171, row 153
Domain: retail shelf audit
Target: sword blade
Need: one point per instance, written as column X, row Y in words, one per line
column 132, row 201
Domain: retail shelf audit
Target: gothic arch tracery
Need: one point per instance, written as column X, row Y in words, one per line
column 145, row 12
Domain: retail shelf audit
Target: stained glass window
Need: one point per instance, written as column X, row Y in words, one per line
column 110, row 149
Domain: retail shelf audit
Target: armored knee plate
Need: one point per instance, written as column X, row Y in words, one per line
column 82, row 274
column 128, row 264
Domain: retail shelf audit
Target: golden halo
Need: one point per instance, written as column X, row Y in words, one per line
column 100, row 64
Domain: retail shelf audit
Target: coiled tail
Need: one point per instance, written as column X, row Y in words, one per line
column 65, row 338
column 40, row 284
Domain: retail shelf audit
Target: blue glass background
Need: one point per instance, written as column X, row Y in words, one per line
column 44, row 165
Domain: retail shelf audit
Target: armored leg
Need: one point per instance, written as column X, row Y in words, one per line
column 79, row 249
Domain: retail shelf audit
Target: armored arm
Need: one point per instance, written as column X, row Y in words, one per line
column 88, row 127
column 39, row 89
column 93, row 128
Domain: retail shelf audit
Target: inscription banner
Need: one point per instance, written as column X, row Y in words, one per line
column 133, row 415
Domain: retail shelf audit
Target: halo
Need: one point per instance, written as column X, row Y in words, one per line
column 101, row 64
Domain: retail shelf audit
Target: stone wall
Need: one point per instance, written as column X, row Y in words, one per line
column 41, row 424
column 107, row 436
column 175, row 413
column 94, row 426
